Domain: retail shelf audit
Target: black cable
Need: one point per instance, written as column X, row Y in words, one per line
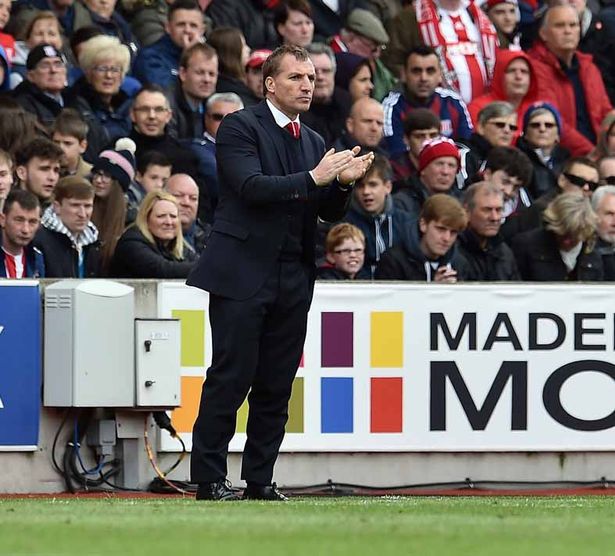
column 55, row 443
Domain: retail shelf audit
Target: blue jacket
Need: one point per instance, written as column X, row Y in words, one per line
column 158, row 63
column 5, row 85
column 35, row 263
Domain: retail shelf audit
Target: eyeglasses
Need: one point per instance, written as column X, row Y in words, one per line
column 158, row 110
column 216, row 117
column 537, row 125
column 107, row 69
column 581, row 182
column 48, row 66
column 346, row 252
column 99, row 174
column 502, row 125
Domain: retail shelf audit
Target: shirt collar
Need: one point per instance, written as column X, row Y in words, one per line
column 280, row 118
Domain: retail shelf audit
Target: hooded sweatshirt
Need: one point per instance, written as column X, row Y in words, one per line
column 503, row 60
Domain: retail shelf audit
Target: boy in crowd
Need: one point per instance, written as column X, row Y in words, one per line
column 430, row 255
column 372, row 211
column 153, row 172
column 70, row 134
column 345, row 254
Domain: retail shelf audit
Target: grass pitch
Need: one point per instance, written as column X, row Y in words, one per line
column 310, row 526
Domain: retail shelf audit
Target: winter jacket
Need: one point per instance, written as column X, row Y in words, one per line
column 158, row 63
column 329, row 120
column 35, row 101
column 228, row 84
column 497, row 93
column 607, row 252
column 5, row 84
column 493, row 263
column 408, row 262
column 185, row 123
column 136, row 257
column 327, row 22
column 332, row 273
column 455, row 121
column 413, row 194
column 61, row 250
column 473, row 153
column 382, row 232
column 35, row 262
column 544, row 175
column 554, row 86
column 539, row 260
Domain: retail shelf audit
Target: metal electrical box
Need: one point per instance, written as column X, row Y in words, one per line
column 89, row 344
column 157, row 362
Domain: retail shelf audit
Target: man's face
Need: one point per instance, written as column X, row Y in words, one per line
column 292, row 89
column 371, row 192
column 186, row 27
column 216, row 112
column 579, row 179
column 103, row 8
column 185, row 190
column 517, row 79
column 507, row 183
column 254, row 80
column 485, row 218
column 499, row 131
column 348, row 256
column 606, row 218
column 40, row 176
column 418, row 137
column 154, row 178
column 366, row 124
column 200, row 77
column 325, row 78
column 437, row 238
column 72, row 149
column 561, row 31
column 439, row 175
column 363, row 46
column 74, row 213
column 150, row 113
column 20, row 225
column 49, row 75
column 298, row 29
column 6, row 179
column 504, row 17
column 422, row 75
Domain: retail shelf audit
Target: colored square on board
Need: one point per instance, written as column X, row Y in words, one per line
column 295, row 407
column 386, row 404
column 336, row 404
column 193, row 337
column 183, row 417
column 241, row 424
column 387, row 339
column 336, row 339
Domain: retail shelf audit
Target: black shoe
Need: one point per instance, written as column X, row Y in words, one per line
column 264, row 492
column 220, row 490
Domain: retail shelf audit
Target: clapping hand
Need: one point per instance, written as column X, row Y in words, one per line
column 357, row 168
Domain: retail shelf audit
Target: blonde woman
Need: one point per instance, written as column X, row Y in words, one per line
column 154, row 246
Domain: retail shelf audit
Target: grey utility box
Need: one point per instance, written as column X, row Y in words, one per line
column 89, row 344
column 157, row 362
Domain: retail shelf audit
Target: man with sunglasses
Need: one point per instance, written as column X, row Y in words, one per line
column 606, row 169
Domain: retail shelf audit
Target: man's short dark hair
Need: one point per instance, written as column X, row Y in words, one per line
column 25, row 199
column 82, row 35
column 514, row 162
column 73, row 187
column 152, row 158
column 69, row 122
column 200, row 47
column 382, row 167
column 182, row 5
column 271, row 67
column 41, row 148
column 419, row 119
column 582, row 160
column 151, row 88
column 421, row 50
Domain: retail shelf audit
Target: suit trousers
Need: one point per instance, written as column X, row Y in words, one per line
column 257, row 347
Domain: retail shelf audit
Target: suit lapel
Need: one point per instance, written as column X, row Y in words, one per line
column 265, row 117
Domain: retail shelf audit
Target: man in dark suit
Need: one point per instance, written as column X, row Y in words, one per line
column 259, row 269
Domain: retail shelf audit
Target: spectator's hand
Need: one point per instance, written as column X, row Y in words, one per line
column 331, row 165
column 357, row 168
column 446, row 275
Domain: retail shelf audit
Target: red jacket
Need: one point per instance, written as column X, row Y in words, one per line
column 503, row 59
column 554, row 86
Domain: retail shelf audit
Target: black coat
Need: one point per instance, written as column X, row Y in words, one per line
column 539, row 260
column 329, row 120
column 35, row 101
column 61, row 259
column 185, row 123
column 136, row 257
column 327, row 22
column 544, row 178
column 473, row 153
column 332, row 273
column 412, row 194
column 527, row 218
column 228, row 84
column 607, row 252
column 494, row 263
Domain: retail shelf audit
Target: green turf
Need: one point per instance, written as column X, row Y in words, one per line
column 355, row 526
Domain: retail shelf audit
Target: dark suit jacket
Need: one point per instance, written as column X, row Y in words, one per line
column 257, row 192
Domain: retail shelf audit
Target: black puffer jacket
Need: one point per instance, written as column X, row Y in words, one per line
column 544, row 178
column 494, row 263
column 35, row 101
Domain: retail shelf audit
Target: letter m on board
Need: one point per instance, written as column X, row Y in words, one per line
column 478, row 417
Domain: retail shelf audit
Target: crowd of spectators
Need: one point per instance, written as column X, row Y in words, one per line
column 492, row 123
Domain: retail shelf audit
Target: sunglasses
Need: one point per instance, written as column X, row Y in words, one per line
column 216, row 117
column 537, row 125
column 609, row 180
column 502, row 125
column 581, row 182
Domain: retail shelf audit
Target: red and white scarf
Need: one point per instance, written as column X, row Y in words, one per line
column 428, row 22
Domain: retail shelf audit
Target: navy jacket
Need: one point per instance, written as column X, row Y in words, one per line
column 158, row 63
column 257, row 192
column 35, row 263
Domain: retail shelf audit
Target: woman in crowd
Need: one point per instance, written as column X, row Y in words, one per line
column 293, row 22
column 605, row 146
column 97, row 94
column 112, row 173
column 354, row 75
column 233, row 55
column 540, row 142
column 154, row 246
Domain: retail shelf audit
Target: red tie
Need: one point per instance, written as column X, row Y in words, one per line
column 293, row 128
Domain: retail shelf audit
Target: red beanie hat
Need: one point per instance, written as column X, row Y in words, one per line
column 490, row 3
column 437, row 148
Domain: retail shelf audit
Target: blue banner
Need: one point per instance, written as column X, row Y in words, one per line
column 20, row 364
